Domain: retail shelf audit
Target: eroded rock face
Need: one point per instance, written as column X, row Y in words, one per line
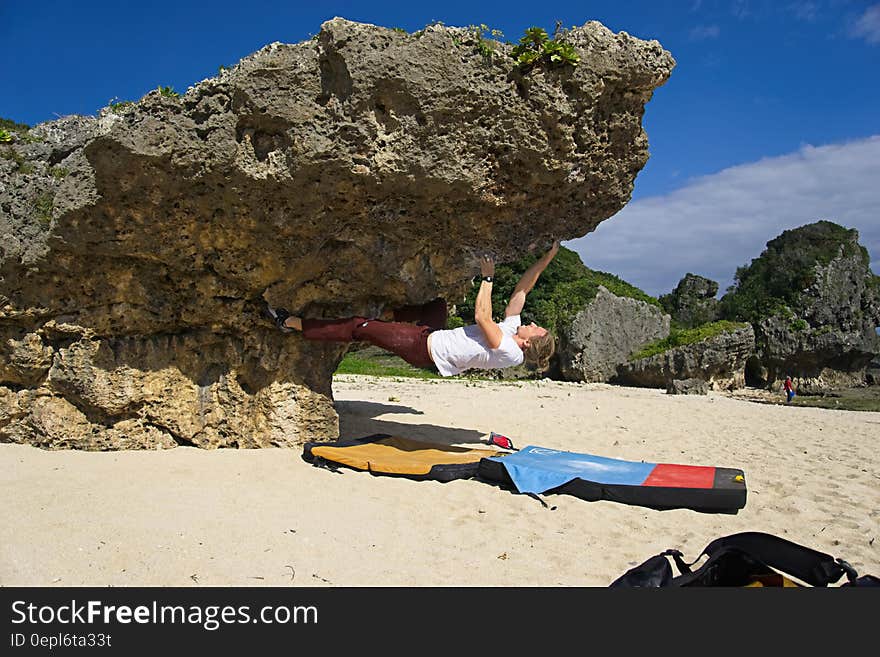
column 720, row 361
column 687, row 387
column 605, row 334
column 872, row 372
column 828, row 340
column 693, row 301
column 814, row 304
column 360, row 170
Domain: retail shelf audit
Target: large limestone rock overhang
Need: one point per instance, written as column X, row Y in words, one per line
column 362, row 169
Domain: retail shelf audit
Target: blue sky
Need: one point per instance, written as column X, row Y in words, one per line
column 770, row 120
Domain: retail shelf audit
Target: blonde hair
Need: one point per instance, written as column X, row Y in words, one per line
column 540, row 350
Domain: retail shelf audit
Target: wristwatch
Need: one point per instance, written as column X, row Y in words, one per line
column 488, row 279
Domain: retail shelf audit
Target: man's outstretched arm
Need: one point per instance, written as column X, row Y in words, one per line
column 528, row 280
column 483, row 306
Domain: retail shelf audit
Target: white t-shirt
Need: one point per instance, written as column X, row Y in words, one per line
column 464, row 348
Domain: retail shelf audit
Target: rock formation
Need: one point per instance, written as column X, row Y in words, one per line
column 872, row 374
column 692, row 302
column 362, row 169
column 815, row 305
column 605, row 334
column 719, row 360
column 687, row 387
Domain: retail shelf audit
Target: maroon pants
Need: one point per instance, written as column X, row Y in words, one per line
column 409, row 341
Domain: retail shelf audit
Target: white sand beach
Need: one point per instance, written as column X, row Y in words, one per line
column 188, row 517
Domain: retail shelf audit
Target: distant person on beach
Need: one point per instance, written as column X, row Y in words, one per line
column 789, row 389
column 427, row 343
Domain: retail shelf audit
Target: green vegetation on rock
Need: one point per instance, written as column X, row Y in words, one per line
column 120, row 107
column 481, row 38
column 21, row 164
column 11, row 131
column 775, row 280
column 43, row 207
column 10, row 126
column 536, row 47
column 687, row 336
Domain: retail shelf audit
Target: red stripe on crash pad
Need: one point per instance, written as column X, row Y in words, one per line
column 681, row 476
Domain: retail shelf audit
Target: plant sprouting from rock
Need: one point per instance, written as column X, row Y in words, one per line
column 43, row 206
column 536, row 47
column 477, row 35
column 21, row 164
column 120, row 106
column 12, row 131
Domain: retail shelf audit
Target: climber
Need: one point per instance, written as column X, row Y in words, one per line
column 427, row 343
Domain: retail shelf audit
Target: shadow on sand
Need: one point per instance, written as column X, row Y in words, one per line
column 358, row 419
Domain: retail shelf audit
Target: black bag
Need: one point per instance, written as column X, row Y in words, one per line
column 746, row 559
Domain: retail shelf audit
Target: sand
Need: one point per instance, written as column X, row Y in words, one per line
column 188, row 517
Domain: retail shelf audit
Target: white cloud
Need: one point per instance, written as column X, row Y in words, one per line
column 867, row 27
column 702, row 32
column 719, row 222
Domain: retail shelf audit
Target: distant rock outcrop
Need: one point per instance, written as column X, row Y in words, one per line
column 605, row 334
column 719, row 360
column 872, row 375
column 687, row 387
column 364, row 169
column 692, row 302
column 814, row 304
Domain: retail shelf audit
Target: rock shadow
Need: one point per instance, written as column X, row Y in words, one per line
column 358, row 419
